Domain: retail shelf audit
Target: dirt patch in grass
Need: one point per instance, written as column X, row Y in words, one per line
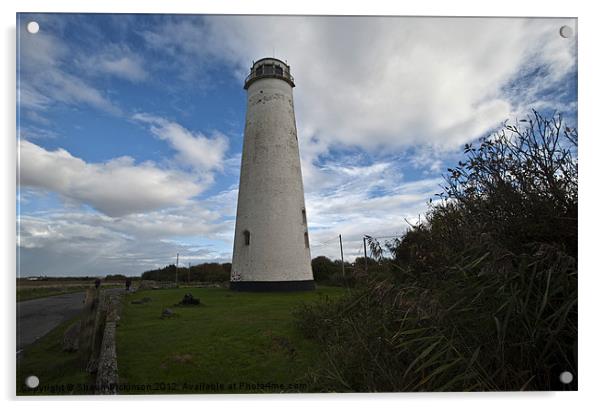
column 178, row 359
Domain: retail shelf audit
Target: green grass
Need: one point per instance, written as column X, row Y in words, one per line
column 59, row 372
column 25, row 293
column 234, row 340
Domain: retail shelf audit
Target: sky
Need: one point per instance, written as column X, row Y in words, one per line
column 130, row 127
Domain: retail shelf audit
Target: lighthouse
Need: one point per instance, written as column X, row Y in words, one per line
column 271, row 241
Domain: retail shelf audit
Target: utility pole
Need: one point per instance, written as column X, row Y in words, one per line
column 365, row 257
column 177, row 264
column 189, row 272
column 342, row 260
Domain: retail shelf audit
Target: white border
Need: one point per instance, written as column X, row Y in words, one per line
column 589, row 282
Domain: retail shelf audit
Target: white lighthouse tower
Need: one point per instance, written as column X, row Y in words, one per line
column 271, row 243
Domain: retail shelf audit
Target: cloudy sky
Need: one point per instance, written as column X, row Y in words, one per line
column 130, row 126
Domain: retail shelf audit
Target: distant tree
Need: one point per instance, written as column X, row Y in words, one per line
column 210, row 272
column 166, row 273
column 115, row 277
column 323, row 268
column 360, row 263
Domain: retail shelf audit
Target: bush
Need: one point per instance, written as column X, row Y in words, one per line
column 482, row 295
column 323, row 268
column 521, row 185
column 329, row 272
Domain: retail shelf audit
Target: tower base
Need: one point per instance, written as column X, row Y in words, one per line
column 272, row 286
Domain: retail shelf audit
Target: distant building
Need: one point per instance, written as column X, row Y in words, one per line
column 271, row 242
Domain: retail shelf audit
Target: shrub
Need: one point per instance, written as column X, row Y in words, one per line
column 329, row 272
column 482, row 295
column 323, row 268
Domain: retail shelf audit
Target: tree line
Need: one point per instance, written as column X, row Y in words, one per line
column 205, row 272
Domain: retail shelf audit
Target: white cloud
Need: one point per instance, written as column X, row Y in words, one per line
column 51, row 70
column 117, row 61
column 79, row 242
column 34, row 132
column 385, row 81
column 29, row 97
column 200, row 152
column 116, row 188
column 69, row 89
column 357, row 200
column 44, row 78
column 354, row 213
column 184, row 221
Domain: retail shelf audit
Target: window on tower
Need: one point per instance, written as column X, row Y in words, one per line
column 279, row 70
column 247, row 235
column 259, row 70
column 306, row 240
column 304, row 215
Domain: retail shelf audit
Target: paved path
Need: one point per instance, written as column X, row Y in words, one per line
column 35, row 318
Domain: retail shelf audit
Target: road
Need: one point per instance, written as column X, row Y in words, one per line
column 35, row 318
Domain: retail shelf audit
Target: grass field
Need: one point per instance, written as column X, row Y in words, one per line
column 59, row 372
column 234, row 343
column 40, row 289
